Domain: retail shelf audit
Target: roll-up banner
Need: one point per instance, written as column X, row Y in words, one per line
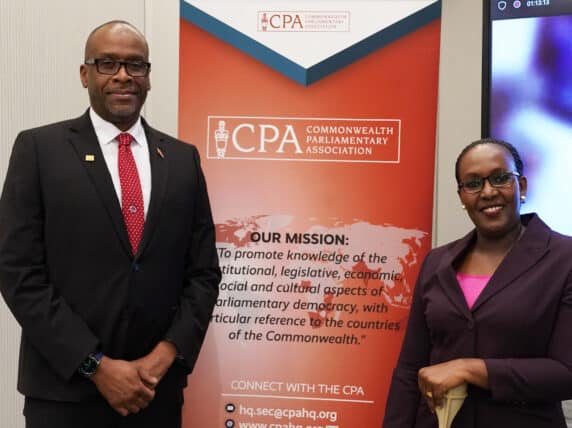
column 316, row 125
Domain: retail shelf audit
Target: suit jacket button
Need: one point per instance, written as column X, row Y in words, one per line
column 135, row 267
column 470, row 324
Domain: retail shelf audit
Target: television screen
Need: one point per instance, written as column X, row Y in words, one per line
column 527, row 97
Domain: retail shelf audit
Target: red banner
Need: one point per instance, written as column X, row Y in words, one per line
column 322, row 196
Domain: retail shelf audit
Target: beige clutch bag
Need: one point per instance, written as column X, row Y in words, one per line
column 452, row 403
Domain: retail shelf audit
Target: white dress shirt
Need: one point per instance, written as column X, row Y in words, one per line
column 106, row 135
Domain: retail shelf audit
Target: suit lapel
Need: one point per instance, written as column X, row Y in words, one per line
column 448, row 278
column 83, row 139
column 159, row 173
column 523, row 256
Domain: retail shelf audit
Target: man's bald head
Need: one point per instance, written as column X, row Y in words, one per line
column 113, row 26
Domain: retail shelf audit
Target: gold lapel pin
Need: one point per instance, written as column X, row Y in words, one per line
column 160, row 153
column 89, row 158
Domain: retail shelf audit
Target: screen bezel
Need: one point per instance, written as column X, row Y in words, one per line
column 486, row 70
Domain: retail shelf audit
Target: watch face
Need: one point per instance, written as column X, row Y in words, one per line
column 89, row 365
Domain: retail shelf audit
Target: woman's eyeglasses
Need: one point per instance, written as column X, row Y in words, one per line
column 496, row 179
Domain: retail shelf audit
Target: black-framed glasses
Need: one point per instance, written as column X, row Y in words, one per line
column 496, row 179
column 111, row 66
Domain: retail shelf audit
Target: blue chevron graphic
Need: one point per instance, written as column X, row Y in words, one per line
column 307, row 76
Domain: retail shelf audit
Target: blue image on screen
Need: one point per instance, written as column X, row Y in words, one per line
column 531, row 107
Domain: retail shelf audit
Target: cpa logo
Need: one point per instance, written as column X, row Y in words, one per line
column 247, row 139
column 280, row 21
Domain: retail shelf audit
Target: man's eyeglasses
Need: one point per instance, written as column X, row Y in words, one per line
column 496, row 179
column 112, row 66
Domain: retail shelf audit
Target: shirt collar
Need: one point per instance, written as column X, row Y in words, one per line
column 106, row 132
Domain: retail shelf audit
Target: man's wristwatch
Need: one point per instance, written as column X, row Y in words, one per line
column 89, row 366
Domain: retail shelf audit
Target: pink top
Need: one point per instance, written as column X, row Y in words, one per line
column 472, row 285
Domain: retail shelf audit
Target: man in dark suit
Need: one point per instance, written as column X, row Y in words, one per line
column 107, row 253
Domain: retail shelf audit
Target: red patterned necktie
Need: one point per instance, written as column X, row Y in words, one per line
column 131, row 195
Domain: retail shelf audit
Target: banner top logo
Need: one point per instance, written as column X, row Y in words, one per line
column 303, row 21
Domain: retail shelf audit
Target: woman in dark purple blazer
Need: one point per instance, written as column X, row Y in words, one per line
column 493, row 310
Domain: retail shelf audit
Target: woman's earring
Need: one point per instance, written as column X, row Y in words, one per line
column 523, row 199
column 463, row 207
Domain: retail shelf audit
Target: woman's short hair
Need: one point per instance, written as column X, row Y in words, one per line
column 509, row 147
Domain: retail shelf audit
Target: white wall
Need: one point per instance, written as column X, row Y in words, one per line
column 41, row 47
column 459, row 115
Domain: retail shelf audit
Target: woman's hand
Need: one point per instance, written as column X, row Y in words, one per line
column 434, row 381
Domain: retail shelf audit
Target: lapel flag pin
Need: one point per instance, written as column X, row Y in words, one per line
column 89, row 158
column 160, row 153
